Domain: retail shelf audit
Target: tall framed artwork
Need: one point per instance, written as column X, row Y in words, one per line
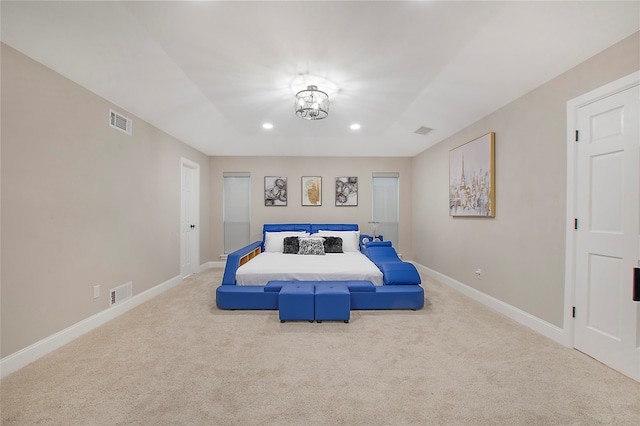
column 472, row 178
column 346, row 191
column 275, row 190
column 311, row 190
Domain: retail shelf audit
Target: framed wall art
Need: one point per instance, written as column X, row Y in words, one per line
column 346, row 191
column 311, row 190
column 472, row 178
column 275, row 190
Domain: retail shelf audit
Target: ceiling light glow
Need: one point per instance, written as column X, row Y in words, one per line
column 355, row 127
column 302, row 81
column 267, row 126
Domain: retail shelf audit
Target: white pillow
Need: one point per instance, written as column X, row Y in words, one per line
column 274, row 241
column 350, row 239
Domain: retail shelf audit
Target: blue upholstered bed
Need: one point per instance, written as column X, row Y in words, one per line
column 384, row 282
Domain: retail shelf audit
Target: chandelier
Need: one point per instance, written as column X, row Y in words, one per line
column 312, row 104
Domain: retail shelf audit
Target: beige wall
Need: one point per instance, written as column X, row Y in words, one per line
column 82, row 204
column 521, row 251
column 296, row 167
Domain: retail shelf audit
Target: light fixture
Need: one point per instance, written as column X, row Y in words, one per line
column 355, row 126
column 312, row 104
column 267, row 126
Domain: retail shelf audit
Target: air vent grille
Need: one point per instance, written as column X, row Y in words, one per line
column 120, row 293
column 120, row 122
column 423, row 130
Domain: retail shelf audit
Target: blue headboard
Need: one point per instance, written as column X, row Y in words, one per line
column 311, row 228
column 315, row 227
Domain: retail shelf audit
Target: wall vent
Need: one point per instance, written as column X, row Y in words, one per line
column 120, row 293
column 120, row 122
column 423, row 130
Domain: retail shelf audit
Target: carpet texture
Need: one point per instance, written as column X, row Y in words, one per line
column 178, row 360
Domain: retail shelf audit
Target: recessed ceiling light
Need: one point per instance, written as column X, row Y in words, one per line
column 267, row 126
column 355, row 127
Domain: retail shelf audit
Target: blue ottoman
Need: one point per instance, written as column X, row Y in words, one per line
column 296, row 302
column 333, row 302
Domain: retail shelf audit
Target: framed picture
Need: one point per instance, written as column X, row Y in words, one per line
column 311, row 190
column 472, row 178
column 346, row 191
column 275, row 190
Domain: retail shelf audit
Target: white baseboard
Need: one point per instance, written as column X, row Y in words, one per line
column 546, row 329
column 17, row 360
column 212, row 264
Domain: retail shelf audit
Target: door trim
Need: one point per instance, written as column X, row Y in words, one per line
column 184, row 162
column 573, row 105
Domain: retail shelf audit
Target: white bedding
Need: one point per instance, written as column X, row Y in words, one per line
column 269, row 266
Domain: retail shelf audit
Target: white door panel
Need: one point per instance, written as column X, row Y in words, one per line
column 607, row 201
column 607, row 205
column 189, row 218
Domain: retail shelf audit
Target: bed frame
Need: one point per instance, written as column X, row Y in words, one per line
column 401, row 289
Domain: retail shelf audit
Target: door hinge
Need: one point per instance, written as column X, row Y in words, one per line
column 577, row 135
column 573, row 314
column 575, row 223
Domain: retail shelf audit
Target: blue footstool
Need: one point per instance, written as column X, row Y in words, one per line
column 296, row 302
column 333, row 302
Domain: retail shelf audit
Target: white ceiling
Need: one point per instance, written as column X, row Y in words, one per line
column 211, row 72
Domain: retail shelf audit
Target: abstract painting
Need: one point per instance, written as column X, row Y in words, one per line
column 311, row 190
column 472, row 178
column 346, row 191
column 275, row 190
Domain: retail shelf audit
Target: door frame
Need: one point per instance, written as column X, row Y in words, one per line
column 186, row 163
column 573, row 105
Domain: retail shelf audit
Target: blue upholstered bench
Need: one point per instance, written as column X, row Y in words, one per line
column 296, row 301
column 363, row 295
column 332, row 302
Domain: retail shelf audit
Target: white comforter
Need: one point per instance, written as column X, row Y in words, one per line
column 269, row 266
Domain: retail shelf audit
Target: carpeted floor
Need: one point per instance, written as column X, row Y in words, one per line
column 178, row 360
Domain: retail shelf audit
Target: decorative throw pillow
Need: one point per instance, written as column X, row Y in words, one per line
column 311, row 246
column 350, row 239
column 291, row 245
column 333, row 245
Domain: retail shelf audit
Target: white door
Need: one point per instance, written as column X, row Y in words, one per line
column 189, row 218
column 607, row 320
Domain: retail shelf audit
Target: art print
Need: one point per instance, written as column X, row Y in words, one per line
column 472, row 178
column 346, row 191
column 275, row 191
column 311, row 190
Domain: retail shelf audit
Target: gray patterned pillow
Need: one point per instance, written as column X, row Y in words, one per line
column 311, row 246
